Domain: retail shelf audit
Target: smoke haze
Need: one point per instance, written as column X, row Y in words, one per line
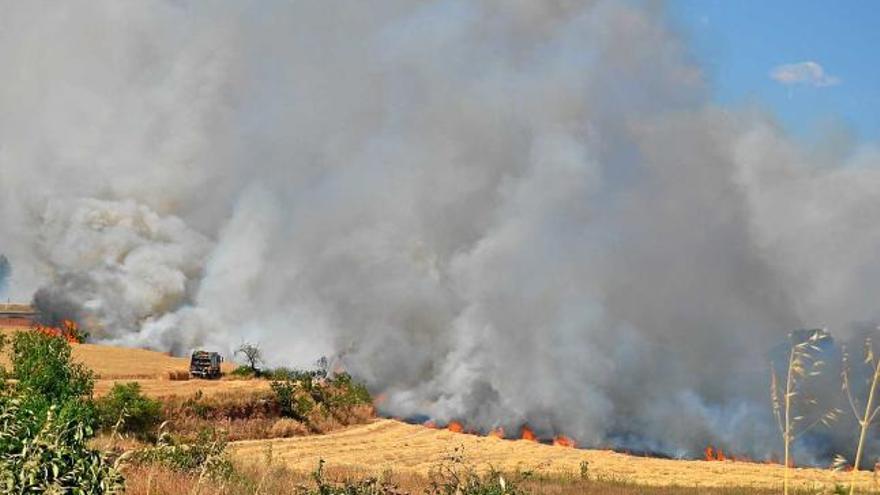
column 499, row 212
column 5, row 271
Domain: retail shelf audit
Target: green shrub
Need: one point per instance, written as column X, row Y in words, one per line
column 127, row 410
column 207, row 455
column 42, row 365
column 245, row 371
column 290, row 403
column 298, row 393
column 454, row 476
column 367, row 486
column 349, row 392
column 47, row 376
column 46, row 421
column 50, row 454
column 290, row 374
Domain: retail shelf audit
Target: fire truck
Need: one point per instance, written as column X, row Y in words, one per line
column 204, row 364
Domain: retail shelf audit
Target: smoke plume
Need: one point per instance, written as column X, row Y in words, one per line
column 498, row 212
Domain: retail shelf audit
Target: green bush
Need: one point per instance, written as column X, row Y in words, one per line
column 298, row 393
column 292, row 404
column 348, row 391
column 46, row 421
column 49, row 454
column 41, row 363
column 289, row 374
column 245, row 371
column 127, row 410
column 367, row 486
column 207, row 455
column 453, row 476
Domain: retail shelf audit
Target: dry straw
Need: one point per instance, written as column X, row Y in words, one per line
column 791, row 405
column 869, row 413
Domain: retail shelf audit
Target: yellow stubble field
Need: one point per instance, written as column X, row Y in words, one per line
column 158, row 373
column 388, row 445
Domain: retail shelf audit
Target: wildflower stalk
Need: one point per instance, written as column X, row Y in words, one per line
column 802, row 363
column 870, row 412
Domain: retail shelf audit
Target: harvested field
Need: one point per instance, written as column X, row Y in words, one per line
column 118, row 362
column 158, row 373
column 389, row 445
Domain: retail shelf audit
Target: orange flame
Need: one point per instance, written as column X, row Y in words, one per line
column 455, row 427
column 563, row 441
column 69, row 331
column 380, row 399
column 712, row 454
column 528, row 434
column 430, row 424
column 497, row 433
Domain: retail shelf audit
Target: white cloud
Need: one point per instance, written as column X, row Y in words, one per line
column 809, row 73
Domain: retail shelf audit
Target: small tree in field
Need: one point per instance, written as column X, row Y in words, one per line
column 43, row 366
column 252, row 354
column 866, row 417
column 791, row 406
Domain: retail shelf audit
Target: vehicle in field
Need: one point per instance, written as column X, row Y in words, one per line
column 205, row 364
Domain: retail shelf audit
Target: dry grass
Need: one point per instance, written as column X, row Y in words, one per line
column 270, row 479
column 186, row 388
column 384, row 445
column 118, row 444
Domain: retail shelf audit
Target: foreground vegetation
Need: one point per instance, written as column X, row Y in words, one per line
column 267, row 479
column 47, row 417
column 56, row 438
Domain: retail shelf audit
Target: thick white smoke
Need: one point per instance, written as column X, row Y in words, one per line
column 495, row 211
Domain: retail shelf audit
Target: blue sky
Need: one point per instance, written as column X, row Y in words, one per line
column 739, row 43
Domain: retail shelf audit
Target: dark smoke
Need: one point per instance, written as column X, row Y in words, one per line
column 495, row 211
column 52, row 306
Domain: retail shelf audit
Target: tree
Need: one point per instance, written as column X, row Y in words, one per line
column 44, row 368
column 252, row 354
column 126, row 409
